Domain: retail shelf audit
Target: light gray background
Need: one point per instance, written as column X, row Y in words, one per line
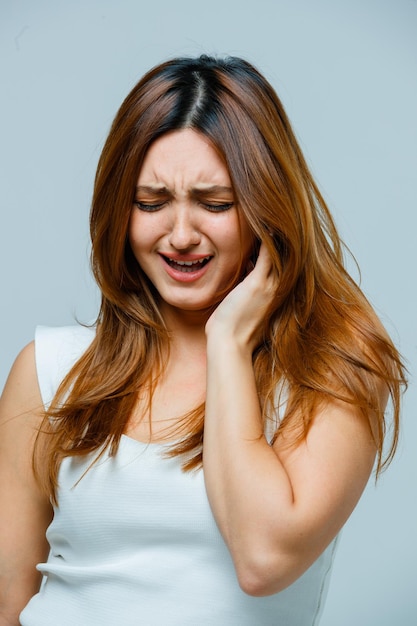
column 347, row 74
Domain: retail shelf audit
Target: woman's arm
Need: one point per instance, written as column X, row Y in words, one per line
column 277, row 507
column 24, row 512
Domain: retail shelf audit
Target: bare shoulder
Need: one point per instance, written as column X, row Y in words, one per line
column 20, row 403
column 23, row 378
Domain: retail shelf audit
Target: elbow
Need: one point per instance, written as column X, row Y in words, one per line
column 254, row 585
column 267, row 575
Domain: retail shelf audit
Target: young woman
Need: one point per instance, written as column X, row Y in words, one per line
column 192, row 458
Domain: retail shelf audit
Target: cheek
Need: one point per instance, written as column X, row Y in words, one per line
column 238, row 245
column 236, row 234
column 132, row 229
column 138, row 234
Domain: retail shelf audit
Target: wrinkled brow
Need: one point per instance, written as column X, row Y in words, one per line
column 194, row 191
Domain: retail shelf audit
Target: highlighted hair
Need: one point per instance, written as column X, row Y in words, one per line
column 322, row 339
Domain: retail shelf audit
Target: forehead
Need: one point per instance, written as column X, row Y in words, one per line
column 183, row 155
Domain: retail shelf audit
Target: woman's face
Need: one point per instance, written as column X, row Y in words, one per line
column 184, row 229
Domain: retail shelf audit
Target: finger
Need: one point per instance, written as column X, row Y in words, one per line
column 264, row 261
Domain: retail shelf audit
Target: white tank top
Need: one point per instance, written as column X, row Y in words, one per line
column 133, row 540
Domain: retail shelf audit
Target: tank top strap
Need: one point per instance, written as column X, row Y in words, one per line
column 56, row 350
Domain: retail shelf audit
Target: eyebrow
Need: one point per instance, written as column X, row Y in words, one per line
column 150, row 189
column 195, row 191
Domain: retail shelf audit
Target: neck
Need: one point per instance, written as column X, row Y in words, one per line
column 182, row 322
column 188, row 344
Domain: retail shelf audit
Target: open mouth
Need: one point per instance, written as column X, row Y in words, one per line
column 187, row 266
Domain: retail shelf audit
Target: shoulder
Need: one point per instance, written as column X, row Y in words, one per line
column 56, row 350
column 22, row 381
column 21, row 409
column 66, row 337
column 42, row 364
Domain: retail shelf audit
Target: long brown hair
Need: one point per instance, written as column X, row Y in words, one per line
column 322, row 338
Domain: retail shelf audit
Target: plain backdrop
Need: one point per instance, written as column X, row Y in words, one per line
column 346, row 72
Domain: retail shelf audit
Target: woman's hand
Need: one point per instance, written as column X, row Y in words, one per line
column 241, row 314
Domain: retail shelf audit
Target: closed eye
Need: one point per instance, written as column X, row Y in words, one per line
column 217, row 208
column 145, row 206
column 209, row 206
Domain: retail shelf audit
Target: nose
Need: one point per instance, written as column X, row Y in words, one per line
column 184, row 229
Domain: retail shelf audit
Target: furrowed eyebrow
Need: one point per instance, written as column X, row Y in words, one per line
column 212, row 190
column 195, row 191
column 152, row 190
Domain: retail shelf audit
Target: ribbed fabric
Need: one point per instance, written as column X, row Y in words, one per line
column 133, row 540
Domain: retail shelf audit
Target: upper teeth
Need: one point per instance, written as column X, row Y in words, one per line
column 206, row 258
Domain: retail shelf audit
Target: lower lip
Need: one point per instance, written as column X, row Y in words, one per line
column 187, row 276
